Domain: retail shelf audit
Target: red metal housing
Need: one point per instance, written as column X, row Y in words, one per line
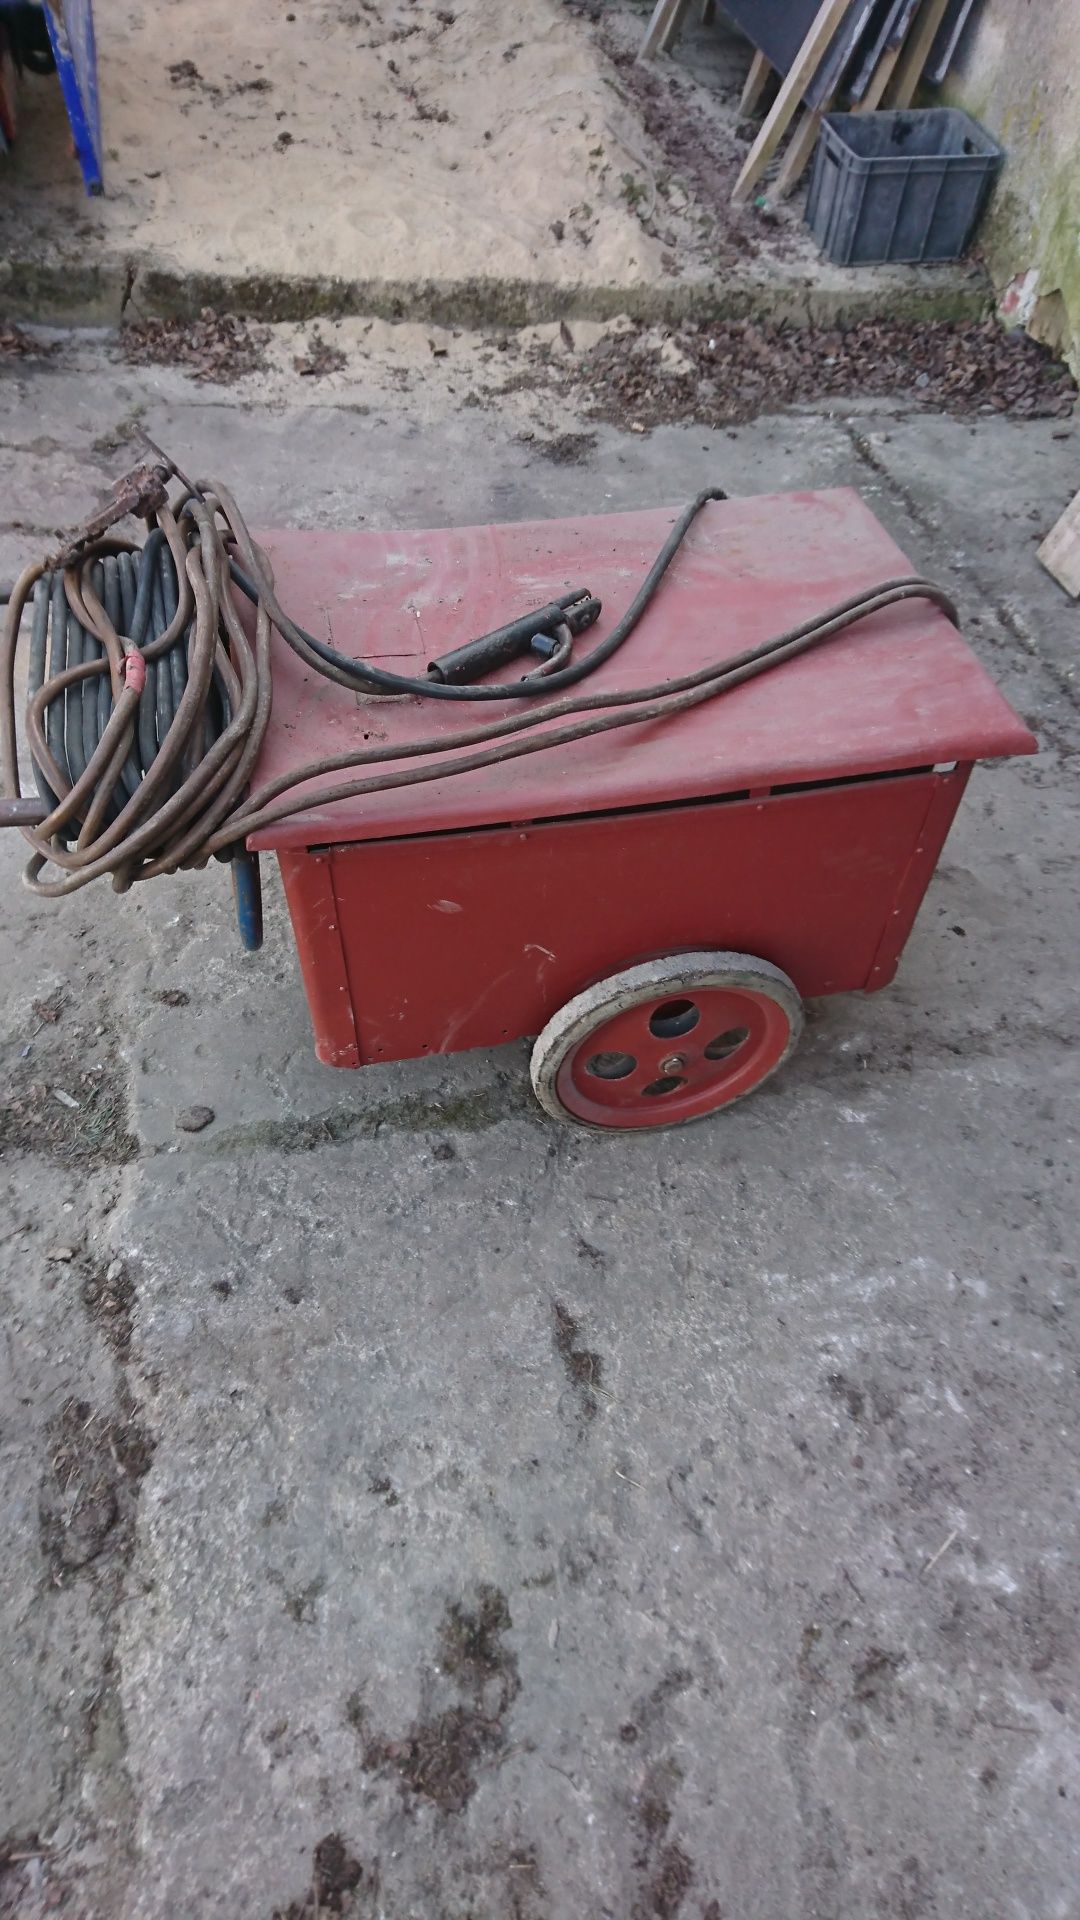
column 798, row 818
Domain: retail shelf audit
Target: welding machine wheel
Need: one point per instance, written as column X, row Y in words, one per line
column 665, row 1042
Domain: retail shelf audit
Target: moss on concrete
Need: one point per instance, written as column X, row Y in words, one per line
column 62, row 293
column 59, row 292
column 1009, row 81
column 1014, row 243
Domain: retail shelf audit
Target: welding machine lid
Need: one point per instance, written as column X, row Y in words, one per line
column 901, row 689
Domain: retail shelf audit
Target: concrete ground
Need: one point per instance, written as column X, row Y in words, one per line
column 411, row 1509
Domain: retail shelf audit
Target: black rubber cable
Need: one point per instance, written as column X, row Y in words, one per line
column 366, row 678
column 139, row 594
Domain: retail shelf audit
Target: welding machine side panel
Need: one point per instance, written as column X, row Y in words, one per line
column 459, row 940
column 945, row 796
column 309, row 891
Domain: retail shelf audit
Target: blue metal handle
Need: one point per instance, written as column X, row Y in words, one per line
column 70, row 25
column 247, row 892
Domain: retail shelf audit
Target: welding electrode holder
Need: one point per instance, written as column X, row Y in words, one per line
column 576, row 610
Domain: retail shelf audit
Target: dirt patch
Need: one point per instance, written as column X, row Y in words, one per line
column 872, row 1676
column 567, row 449
column 301, row 1603
column 670, row 1882
column 320, row 357
column 63, row 1091
column 667, row 1872
column 413, row 1113
column 173, row 997
column 850, row 1396
column 87, row 1505
column 335, row 1877
column 15, row 344
column 584, row 1367
column 109, row 1297
column 216, row 346
column 700, row 144
column 470, row 1646
column 725, row 375
column 440, row 1756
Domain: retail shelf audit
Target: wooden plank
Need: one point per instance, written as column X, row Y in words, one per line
column 777, row 28
column 879, row 80
column 792, row 88
column 1060, row 551
column 909, row 71
column 941, row 54
column 884, row 35
column 674, row 26
column 799, row 151
column 833, row 69
column 662, row 25
column 756, row 81
column 801, row 147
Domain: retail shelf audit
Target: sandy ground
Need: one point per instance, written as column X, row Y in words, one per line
column 329, row 1583
column 349, row 139
column 379, row 156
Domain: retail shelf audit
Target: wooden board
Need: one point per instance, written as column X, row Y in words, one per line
column 664, row 23
column 799, row 151
column 802, row 143
column 1060, row 551
column 777, row 28
column 785, row 106
column 879, row 81
column 827, row 82
column 941, row 55
column 756, row 81
column 887, row 30
column 904, row 83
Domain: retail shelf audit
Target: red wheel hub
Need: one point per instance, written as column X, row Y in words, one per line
column 673, row 1057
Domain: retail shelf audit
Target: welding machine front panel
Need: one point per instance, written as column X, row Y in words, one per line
column 436, row 943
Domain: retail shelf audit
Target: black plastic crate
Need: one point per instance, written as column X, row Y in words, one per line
column 899, row 185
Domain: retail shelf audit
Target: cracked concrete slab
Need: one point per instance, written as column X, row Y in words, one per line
column 528, row 1523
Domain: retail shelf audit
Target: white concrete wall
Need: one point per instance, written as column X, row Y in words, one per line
column 1018, row 71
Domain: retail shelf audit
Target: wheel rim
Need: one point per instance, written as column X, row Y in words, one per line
column 673, row 1056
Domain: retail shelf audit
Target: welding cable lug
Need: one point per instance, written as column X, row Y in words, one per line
column 141, row 492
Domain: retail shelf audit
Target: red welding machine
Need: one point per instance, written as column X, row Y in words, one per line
column 655, row 902
column 650, row 875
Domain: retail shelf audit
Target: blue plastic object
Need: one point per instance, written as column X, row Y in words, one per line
column 247, row 893
column 71, row 34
